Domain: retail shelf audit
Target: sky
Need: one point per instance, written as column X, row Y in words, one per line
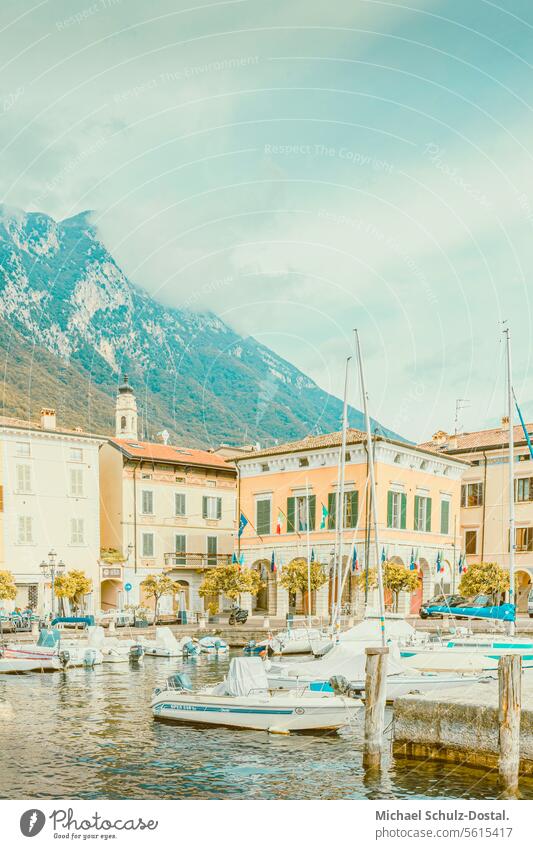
column 301, row 168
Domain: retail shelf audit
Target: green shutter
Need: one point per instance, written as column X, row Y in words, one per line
column 417, row 502
column 403, row 518
column 444, row 516
column 219, row 508
column 428, row 514
column 312, row 512
column 389, row 509
column 204, row 507
column 351, row 509
column 263, row 517
column 332, row 510
column 290, row 515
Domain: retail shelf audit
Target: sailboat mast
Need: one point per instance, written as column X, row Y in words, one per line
column 340, row 499
column 372, row 488
column 308, row 541
column 512, row 541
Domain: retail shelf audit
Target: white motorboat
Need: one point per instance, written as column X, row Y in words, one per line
column 21, row 659
column 49, row 647
column 300, row 640
column 166, row 644
column 113, row 649
column 243, row 700
column 348, row 661
column 213, row 645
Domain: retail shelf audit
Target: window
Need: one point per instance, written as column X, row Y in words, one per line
column 264, row 467
column 76, row 482
column 445, row 516
column 211, row 551
column 396, row 509
column 422, row 513
column 298, row 511
column 76, row 455
column 147, row 502
column 147, row 545
column 76, row 532
column 181, row 548
column 351, row 509
column 524, row 539
column 211, row 507
column 23, row 478
column 263, row 509
column 123, row 422
column 180, row 479
column 146, row 476
column 523, row 489
column 23, row 449
column 303, row 461
column 179, row 503
column 471, row 495
column 210, row 483
column 25, row 530
column 471, row 542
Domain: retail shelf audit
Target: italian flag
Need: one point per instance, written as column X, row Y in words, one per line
column 279, row 522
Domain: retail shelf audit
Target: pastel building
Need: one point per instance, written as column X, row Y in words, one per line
column 164, row 508
column 418, row 499
column 49, row 501
column 484, row 516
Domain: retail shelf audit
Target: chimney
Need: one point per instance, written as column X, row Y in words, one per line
column 440, row 438
column 48, row 419
column 505, row 422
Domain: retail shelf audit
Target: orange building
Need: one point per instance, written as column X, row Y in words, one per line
column 418, row 495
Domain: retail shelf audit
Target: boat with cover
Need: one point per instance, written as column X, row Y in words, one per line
column 243, row 700
column 213, row 645
column 300, row 640
column 51, row 653
column 166, row 644
column 111, row 649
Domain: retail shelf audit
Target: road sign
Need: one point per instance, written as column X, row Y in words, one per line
column 128, row 587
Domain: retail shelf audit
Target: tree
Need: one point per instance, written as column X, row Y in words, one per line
column 156, row 586
column 398, row 578
column 487, row 578
column 73, row 585
column 294, row 576
column 230, row 581
column 111, row 555
column 8, row 592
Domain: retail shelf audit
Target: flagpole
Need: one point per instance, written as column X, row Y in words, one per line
column 308, row 554
column 381, row 594
column 340, row 514
column 512, row 540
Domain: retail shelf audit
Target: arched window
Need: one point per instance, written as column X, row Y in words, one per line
column 123, row 422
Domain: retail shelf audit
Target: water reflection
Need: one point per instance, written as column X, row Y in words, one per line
column 90, row 734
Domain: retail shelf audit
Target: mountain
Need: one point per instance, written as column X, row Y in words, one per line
column 71, row 323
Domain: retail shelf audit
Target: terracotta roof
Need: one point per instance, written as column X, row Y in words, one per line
column 327, row 440
column 478, row 440
column 26, row 424
column 159, row 453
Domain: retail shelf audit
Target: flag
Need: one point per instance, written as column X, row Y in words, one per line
column 325, row 514
column 465, row 564
column 279, row 522
column 241, row 559
column 524, row 428
column 273, row 562
column 234, row 558
column 355, row 561
column 383, row 557
column 438, row 562
column 243, row 521
column 412, row 564
column 312, row 555
column 460, row 564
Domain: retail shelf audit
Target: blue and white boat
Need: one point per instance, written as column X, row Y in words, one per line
column 213, row 645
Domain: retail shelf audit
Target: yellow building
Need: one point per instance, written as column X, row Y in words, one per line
column 418, row 493
column 485, row 498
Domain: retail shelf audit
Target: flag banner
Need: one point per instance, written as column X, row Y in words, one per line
column 524, row 428
column 312, row 555
column 241, row 559
column 273, row 562
column 243, row 521
column 355, row 561
column 412, row 563
column 234, row 558
column 279, row 522
column 323, row 521
column 438, row 564
column 383, row 556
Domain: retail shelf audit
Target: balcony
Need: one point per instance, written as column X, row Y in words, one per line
column 190, row 560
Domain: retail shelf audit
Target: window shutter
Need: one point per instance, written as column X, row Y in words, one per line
column 332, row 509
column 403, row 507
column 312, row 512
column 428, row 514
column 444, row 516
column 290, row 515
column 219, row 508
column 263, row 517
column 1, row 499
column 204, row 507
column 389, row 509
column 417, row 503
column 352, row 507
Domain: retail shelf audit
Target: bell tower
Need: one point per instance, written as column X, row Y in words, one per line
column 126, row 412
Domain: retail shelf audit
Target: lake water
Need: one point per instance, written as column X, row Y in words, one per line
column 86, row 734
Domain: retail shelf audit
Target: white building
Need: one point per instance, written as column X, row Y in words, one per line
column 50, row 487
column 163, row 508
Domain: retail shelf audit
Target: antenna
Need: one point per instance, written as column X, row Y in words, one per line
column 460, row 404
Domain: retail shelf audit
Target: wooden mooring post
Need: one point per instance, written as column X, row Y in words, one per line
column 509, row 710
column 375, row 692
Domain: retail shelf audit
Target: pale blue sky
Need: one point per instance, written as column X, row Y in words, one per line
column 300, row 168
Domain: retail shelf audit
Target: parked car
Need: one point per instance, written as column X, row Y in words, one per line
column 443, row 600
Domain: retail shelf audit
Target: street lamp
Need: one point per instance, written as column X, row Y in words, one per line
column 50, row 569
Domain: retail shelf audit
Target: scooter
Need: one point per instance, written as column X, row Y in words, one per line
column 238, row 616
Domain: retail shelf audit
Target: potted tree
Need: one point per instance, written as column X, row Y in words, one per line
column 296, row 577
column 156, row 586
column 73, row 585
column 8, row 592
column 230, row 581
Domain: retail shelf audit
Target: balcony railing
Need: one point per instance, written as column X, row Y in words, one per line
column 190, row 560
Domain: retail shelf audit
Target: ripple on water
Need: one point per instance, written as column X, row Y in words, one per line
column 90, row 734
